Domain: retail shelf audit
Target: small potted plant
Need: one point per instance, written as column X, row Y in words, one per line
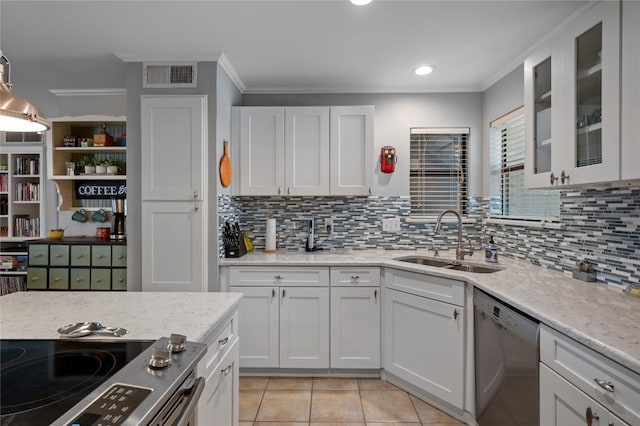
column 101, row 168
column 112, row 165
column 89, row 164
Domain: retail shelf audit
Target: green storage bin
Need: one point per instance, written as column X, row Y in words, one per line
column 59, row 255
column 118, row 279
column 80, row 279
column 80, row 255
column 101, row 279
column 36, row 278
column 119, row 256
column 39, row 254
column 59, row 278
column 101, row 256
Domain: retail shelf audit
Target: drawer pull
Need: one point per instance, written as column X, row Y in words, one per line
column 99, row 280
column 604, row 385
column 121, row 280
column 224, row 341
column 58, row 256
column 227, row 370
column 455, row 314
column 38, row 255
column 273, row 293
column 278, row 277
column 590, row 416
column 102, row 256
column 80, row 256
column 375, row 295
column 56, row 279
column 283, row 293
column 35, row 279
column 355, row 277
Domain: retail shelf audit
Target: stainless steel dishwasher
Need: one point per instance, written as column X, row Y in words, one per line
column 506, row 360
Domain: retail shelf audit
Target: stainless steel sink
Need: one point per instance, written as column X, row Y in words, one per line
column 455, row 265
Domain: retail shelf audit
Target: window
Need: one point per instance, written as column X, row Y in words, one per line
column 509, row 199
column 438, row 170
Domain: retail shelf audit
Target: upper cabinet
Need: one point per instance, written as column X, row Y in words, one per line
column 174, row 133
column 572, row 103
column 305, row 150
column 631, row 89
column 95, row 141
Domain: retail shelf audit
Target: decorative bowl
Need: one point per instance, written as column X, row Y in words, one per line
column 55, row 234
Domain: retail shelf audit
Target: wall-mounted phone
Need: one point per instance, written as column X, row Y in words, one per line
column 388, row 159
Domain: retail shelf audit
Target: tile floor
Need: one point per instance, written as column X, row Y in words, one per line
column 283, row 401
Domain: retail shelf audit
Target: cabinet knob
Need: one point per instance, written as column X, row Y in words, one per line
column 278, row 277
column 101, row 256
column 355, row 277
column 224, row 341
column 121, row 280
column 196, row 208
column 226, row 371
column 99, row 280
column 288, row 191
column 279, row 191
column 590, row 416
column 608, row 386
column 553, row 179
column 563, row 177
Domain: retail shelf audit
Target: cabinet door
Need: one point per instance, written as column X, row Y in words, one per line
column 562, row 404
column 630, row 89
column 262, row 151
column 307, row 150
column 591, row 78
column 352, row 150
column 259, row 318
column 118, row 279
column 172, row 247
column 174, row 134
column 219, row 404
column 424, row 344
column 355, row 327
column 304, row 327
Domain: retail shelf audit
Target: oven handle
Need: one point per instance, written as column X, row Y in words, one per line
column 194, row 395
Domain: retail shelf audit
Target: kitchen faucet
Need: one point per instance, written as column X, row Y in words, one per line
column 459, row 251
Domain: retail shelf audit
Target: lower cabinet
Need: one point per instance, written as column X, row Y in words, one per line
column 562, row 404
column 219, row 401
column 424, row 338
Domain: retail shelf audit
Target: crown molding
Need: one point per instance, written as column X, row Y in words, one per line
column 228, row 67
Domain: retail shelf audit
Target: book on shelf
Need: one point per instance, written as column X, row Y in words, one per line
column 12, row 284
column 23, row 226
column 27, row 166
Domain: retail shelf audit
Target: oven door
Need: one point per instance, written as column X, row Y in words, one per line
column 181, row 409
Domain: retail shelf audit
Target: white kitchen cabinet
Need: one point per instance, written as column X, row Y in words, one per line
column 562, row 404
column 355, row 327
column 259, row 326
column 582, row 123
column 173, row 249
column 630, row 109
column 174, row 141
column 305, row 150
column 424, row 332
column 304, row 327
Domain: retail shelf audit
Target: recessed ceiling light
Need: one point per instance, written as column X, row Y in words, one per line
column 360, row 2
column 423, row 70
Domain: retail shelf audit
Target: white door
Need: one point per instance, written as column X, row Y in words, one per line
column 173, row 252
column 355, row 327
column 259, row 326
column 307, row 150
column 562, row 404
column 174, row 140
column 304, row 327
column 352, row 150
column 218, row 404
column 424, row 344
column 262, row 151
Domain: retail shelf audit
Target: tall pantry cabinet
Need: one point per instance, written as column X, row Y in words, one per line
column 174, row 147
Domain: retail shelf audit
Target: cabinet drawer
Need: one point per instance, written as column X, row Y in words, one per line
column 353, row 276
column 101, row 256
column 582, row 366
column 59, row 278
column 80, row 279
column 100, row 279
column 218, row 347
column 80, row 255
column 119, row 256
column 433, row 287
column 36, row 278
column 38, row 254
column 59, row 255
column 118, row 279
column 279, row 276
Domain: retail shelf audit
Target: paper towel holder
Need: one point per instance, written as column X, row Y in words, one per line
column 275, row 237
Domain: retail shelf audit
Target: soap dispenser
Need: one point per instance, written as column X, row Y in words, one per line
column 491, row 251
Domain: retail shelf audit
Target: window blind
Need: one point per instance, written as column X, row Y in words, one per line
column 438, row 170
column 508, row 196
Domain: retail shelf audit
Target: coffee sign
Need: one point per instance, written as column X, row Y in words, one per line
column 92, row 190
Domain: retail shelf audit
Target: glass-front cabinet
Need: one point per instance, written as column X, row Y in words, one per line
column 574, row 139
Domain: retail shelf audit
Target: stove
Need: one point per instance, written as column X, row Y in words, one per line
column 41, row 379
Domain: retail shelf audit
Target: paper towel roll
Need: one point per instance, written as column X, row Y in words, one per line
column 270, row 238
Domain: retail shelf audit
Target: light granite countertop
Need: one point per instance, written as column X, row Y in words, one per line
column 602, row 318
column 147, row 316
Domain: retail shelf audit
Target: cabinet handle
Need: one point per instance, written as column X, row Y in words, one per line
column 121, row 280
column 564, row 177
column 99, row 280
column 455, row 314
column 34, row 279
column 604, row 385
column 121, row 257
column 80, row 256
column 375, row 295
column 196, row 208
column 288, row 191
column 369, row 190
column 58, row 256
column 195, row 195
column 38, row 255
column 101, row 256
column 553, row 179
column 273, row 293
column 279, row 191
column 355, row 277
column 590, row 416
column 78, row 280
column 226, row 371
column 277, row 277
column 224, row 341
column 283, row 293
column 56, row 279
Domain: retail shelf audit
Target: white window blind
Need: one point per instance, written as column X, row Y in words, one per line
column 509, row 199
column 438, row 170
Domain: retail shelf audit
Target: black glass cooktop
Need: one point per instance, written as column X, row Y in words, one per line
column 41, row 379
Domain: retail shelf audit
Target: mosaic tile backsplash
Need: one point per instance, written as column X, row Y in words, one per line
column 602, row 227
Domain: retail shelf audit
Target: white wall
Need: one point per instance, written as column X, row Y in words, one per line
column 395, row 115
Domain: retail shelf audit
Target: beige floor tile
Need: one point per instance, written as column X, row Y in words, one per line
column 339, row 424
column 285, row 406
column 331, row 383
column 393, row 424
column 249, row 404
column 245, row 424
column 281, row 424
column 429, row 415
column 253, row 383
column 290, row 383
column 388, row 406
column 375, row 384
column 336, row 406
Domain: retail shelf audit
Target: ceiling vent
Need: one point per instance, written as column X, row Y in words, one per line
column 169, row 74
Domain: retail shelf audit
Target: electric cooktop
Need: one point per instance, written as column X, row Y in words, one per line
column 41, row 379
